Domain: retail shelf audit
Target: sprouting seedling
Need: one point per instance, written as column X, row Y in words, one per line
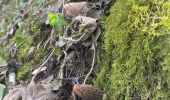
column 57, row 21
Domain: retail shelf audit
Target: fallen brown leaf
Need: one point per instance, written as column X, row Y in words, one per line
column 74, row 9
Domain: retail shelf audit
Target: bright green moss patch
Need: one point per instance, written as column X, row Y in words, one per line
column 24, row 71
column 26, row 39
column 137, row 39
column 30, row 62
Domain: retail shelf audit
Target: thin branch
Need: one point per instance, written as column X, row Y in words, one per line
column 70, row 78
column 51, row 36
column 62, row 7
column 92, row 66
column 39, row 44
column 74, row 40
column 41, row 66
column 61, row 72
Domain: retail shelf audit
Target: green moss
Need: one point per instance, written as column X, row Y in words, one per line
column 39, row 56
column 3, row 55
column 25, row 38
column 24, row 47
column 24, row 71
column 23, row 52
column 30, row 63
column 137, row 39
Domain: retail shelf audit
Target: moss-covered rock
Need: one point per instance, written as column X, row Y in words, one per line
column 137, row 44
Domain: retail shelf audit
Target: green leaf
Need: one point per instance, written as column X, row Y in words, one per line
column 40, row 2
column 2, row 30
column 57, row 21
column 2, row 90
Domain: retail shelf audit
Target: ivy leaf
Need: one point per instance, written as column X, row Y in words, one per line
column 2, row 90
column 40, row 2
column 57, row 21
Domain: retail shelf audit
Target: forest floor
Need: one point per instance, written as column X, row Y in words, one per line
column 48, row 49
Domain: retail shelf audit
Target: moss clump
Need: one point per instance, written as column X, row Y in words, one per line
column 38, row 57
column 25, row 39
column 30, row 63
column 23, row 52
column 136, row 43
column 24, row 71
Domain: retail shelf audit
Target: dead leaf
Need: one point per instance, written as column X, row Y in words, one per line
column 60, row 42
column 56, row 6
column 87, row 22
column 30, row 92
column 31, row 51
column 71, row 56
column 74, row 9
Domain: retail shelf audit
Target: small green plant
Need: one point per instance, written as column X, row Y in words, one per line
column 57, row 21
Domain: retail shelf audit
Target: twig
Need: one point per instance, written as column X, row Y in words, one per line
column 61, row 72
column 92, row 66
column 63, row 8
column 38, row 46
column 70, row 78
column 41, row 66
column 47, row 58
column 43, row 6
column 73, row 40
column 52, row 33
